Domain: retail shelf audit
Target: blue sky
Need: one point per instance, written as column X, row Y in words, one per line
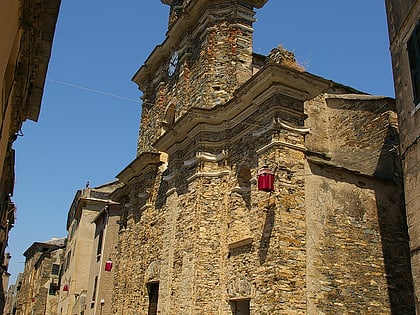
column 90, row 111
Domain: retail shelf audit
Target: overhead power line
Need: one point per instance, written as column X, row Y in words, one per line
column 93, row 90
column 186, row 111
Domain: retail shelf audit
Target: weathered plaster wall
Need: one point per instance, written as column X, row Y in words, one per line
column 106, row 222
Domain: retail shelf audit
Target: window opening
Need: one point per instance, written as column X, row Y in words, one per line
column 153, row 289
column 240, row 307
column 413, row 47
column 100, row 240
column 53, row 289
column 55, row 269
column 95, row 285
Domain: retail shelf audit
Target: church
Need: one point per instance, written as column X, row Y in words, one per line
column 258, row 188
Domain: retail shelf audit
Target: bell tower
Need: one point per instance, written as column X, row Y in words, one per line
column 206, row 56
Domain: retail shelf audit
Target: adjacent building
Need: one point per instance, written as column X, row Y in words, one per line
column 12, row 296
column 86, row 253
column 40, row 281
column 404, row 35
column 101, row 275
column 26, row 34
column 258, row 188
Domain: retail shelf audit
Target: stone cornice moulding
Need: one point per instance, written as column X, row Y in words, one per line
column 283, row 125
column 356, row 97
column 83, row 197
column 81, row 204
column 270, row 80
column 136, row 167
column 260, row 132
column 225, row 126
column 41, row 50
column 281, row 143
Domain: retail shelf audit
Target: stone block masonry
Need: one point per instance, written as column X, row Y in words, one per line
column 200, row 237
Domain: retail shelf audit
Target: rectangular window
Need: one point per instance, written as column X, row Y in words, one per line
column 95, row 285
column 240, row 307
column 53, row 289
column 153, row 289
column 413, row 47
column 55, row 269
column 100, row 240
column 67, row 261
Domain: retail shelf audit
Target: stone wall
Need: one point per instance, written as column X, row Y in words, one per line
column 321, row 242
column 402, row 19
column 198, row 227
column 355, row 206
column 214, row 60
column 38, row 293
column 357, row 244
column 208, row 236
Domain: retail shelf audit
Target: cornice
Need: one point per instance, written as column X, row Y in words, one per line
column 270, row 80
column 137, row 166
column 39, row 52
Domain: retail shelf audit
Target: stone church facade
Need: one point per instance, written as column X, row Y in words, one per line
column 199, row 236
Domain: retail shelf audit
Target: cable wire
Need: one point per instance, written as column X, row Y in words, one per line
column 93, row 90
column 190, row 111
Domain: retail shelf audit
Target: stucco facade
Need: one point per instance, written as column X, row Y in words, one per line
column 199, row 237
column 81, row 256
column 403, row 23
column 101, row 275
column 85, row 207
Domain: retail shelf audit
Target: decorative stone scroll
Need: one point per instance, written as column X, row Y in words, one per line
column 283, row 125
column 278, row 123
column 206, row 157
column 153, row 271
column 239, row 288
